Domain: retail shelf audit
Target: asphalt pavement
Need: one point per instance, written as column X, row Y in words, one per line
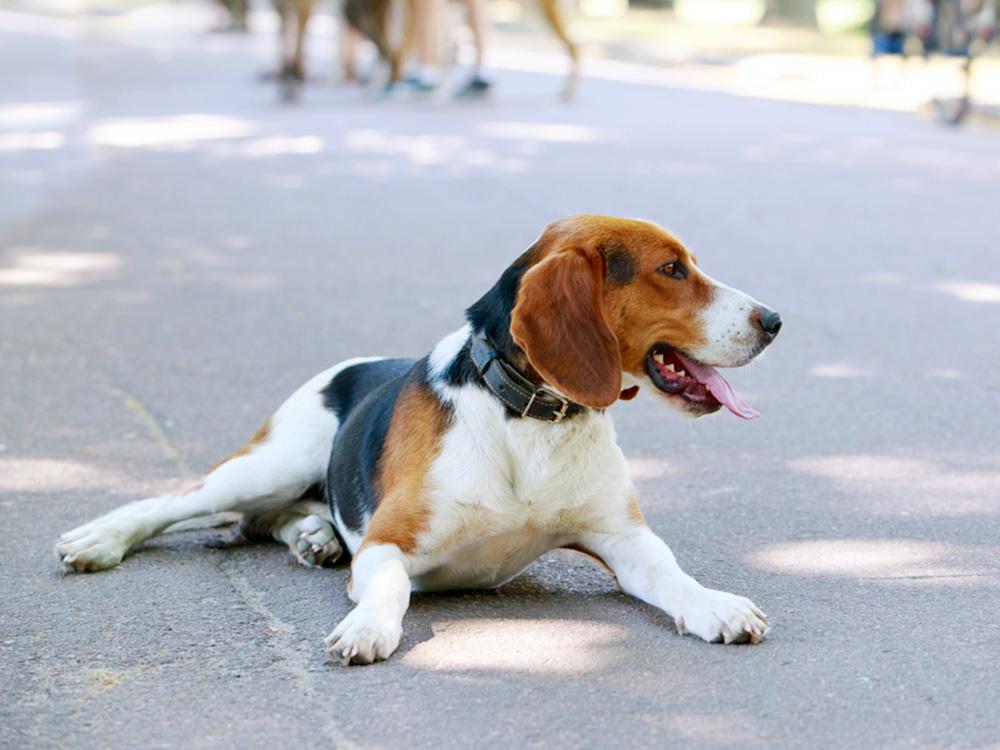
column 178, row 252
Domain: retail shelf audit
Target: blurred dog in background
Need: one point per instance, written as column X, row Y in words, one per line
column 293, row 18
column 390, row 26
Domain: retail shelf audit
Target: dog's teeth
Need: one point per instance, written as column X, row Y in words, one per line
column 658, row 358
column 682, row 373
column 670, row 367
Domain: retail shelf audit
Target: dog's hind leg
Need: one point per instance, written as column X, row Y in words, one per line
column 304, row 526
column 285, row 459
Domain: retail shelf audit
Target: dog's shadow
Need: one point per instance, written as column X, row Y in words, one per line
column 564, row 613
column 563, row 605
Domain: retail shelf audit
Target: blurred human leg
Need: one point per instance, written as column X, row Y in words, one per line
column 478, row 83
column 427, row 18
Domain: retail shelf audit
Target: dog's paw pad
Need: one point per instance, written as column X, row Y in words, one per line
column 316, row 543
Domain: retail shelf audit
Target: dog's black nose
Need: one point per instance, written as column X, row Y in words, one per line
column 769, row 321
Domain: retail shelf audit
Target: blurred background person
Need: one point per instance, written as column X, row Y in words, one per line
column 889, row 27
column 426, row 24
column 478, row 84
column 430, row 28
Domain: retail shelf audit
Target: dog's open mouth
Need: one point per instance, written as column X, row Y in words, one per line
column 700, row 385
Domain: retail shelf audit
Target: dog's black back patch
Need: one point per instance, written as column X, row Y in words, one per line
column 462, row 370
column 351, row 385
column 492, row 312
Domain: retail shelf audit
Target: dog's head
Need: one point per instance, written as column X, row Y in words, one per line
column 605, row 304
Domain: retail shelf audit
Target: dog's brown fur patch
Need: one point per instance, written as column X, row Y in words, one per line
column 560, row 323
column 412, row 444
column 258, row 437
column 592, row 555
column 635, row 512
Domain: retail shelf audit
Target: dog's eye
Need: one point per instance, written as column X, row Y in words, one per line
column 675, row 270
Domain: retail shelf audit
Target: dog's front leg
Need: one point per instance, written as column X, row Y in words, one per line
column 646, row 569
column 380, row 584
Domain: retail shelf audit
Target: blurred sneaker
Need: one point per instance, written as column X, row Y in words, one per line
column 420, row 85
column 476, row 87
column 412, row 87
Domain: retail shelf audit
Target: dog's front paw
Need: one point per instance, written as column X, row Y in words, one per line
column 720, row 617
column 91, row 547
column 364, row 637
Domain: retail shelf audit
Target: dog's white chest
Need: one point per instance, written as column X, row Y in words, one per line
column 503, row 496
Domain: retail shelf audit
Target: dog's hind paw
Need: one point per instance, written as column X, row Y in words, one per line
column 316, row 543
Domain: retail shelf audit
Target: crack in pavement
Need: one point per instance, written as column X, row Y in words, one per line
column 150, row 424
column 292, row 657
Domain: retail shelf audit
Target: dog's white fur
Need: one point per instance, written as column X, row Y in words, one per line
column 730, row 339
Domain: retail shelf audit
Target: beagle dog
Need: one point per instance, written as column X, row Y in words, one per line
column 459, row 469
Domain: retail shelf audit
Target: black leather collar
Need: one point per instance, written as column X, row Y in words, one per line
column 519, row 393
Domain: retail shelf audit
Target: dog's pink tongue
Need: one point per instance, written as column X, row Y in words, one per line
column 720, row 388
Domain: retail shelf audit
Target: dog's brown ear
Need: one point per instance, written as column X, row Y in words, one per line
column 560, row 323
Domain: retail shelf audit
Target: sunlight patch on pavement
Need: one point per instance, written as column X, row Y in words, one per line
column 964, row 290
column 867, row 468
column 458, row 154
column 20, row 141
column 58, row 269
column 422, row 149
column 838, row 370
column 912, row 561
column 46, row 474
column 270, row 146
column 649, row 468
column 544, row 646
column 170, row 131
column 554, row 132
column 969, row 291
column 38, row 25
column 905, row 486
column 38, row 114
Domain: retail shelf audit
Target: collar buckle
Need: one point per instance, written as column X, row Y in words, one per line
column 560, row 415
column 557, row 416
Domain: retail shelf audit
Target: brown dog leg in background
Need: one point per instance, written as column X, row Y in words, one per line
column 294, row 18
column 372, row 18
column 303, row 12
